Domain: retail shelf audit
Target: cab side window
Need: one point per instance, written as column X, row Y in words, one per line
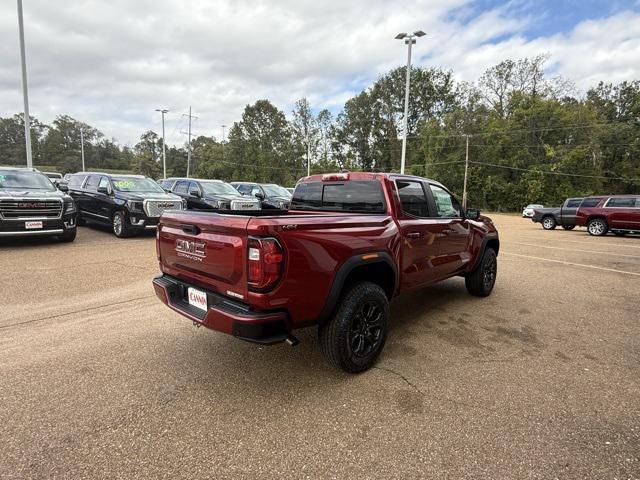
column 181, row 188
column 575, row 203
column 413, row 198
column 75, row 181
column 104, row 182
column 193, row 188
column 255, row 190
column 446, row 205
column 92, row 183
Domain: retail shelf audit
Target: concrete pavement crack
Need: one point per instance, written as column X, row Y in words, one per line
column 75, row 311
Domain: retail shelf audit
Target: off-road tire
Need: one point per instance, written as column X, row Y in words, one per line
column 568, row 227
column 481, row 280
column 68, row 236
column 349, row 330
column 120, row 225
column 597, row 227
column 549, row 223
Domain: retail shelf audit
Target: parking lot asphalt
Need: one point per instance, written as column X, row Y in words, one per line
column 98, row 379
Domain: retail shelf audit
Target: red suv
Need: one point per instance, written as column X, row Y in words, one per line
column 619, row 214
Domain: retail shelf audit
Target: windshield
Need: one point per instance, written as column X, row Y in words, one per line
column 136, row 184
column 18, row 179
column 218, row 188
column 276, row 191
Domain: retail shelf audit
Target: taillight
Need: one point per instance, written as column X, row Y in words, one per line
column 265, row 258
column 158, row 242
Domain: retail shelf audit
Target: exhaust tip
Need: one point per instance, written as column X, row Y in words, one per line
column 291, row 340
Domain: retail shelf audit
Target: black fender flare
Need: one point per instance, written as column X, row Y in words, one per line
column 487, row 238
column 343, row 272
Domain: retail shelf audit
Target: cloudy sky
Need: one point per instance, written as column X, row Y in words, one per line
column 111, row 63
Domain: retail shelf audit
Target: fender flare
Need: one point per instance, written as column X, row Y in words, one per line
column 487, row 238
column 343, row 272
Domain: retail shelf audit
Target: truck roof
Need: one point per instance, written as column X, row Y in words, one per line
column 368, row 176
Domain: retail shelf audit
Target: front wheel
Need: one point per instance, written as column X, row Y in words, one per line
column 568, row 227
column 353, row 339
column 481, row 280
column 548, row 223
column 120, row 225
column 597, row 227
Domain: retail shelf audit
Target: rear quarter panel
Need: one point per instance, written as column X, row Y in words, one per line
column 316, row 245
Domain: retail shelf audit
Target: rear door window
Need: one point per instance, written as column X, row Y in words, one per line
column 413, row 198
column 574, row 203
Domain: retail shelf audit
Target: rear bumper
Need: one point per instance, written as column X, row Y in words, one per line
column 223, row 313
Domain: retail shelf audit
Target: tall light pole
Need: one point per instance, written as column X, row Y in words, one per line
column 409, row 39
column 82, row 148
column 25, row 93
column 164, row 152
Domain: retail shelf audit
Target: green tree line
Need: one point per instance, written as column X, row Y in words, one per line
column 530, row 138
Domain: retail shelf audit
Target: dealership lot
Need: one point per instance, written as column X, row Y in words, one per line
column 540, row 380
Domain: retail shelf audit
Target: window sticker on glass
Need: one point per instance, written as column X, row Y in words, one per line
column 124, row 184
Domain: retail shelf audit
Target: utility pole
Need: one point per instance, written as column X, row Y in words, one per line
column 164, row 151
column 308, row 156
column 25, row 93
column 466, row 170
column 223, row 127
column 82, row 147
column 188, row 133
column 409, row 39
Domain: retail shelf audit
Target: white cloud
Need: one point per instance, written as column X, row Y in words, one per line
column 112, row 63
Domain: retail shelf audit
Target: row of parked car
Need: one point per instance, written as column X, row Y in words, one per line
column 32, row 203
column 601, row 214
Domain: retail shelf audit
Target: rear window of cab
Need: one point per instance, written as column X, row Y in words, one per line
column 364, row 196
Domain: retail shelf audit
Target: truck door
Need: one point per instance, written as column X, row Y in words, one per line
column 104, row 203
column 569, row 210
column 454, row 231
column 419, row 258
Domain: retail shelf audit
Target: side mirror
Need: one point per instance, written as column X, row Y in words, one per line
column 63, row 187
column 259, row 196
column 104, row 190
column 472, row 213
column 194, row 193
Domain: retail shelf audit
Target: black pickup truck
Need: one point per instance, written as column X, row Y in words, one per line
column 565, row 215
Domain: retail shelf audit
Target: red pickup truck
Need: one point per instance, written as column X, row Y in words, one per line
column 348, row 244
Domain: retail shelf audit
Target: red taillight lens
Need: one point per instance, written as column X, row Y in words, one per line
column 158, row 242
column 265, row 258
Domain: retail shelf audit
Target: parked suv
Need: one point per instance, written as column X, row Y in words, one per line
column 619, row 214
column 348, row 245
column 270, row 194
column 212, row 195
column 31, row 205
column 129, row 203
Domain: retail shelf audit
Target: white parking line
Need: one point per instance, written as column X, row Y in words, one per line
column 602, row 243
column 570, row 263
column 577, row 250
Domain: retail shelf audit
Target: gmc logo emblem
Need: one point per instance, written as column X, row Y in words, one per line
column 27, row 205
column 190, row 249
column 165, row 205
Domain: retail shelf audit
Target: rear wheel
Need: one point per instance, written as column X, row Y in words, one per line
column 597, row 227
column 353, row 339
column 548, row 223
column 480, row 281
column 568, row 227
column 120, row 225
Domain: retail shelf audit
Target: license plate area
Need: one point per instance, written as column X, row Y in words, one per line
column 32, row 225
column 197, row 298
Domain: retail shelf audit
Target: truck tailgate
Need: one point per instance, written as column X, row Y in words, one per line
column 205, row 248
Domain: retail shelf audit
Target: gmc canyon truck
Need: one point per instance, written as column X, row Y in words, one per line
column 564, row 215
column 349, row 244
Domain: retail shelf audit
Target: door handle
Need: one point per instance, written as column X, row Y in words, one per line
column 192, row 229
column 414, row 235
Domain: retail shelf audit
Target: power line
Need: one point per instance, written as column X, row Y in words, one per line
column 555, row 173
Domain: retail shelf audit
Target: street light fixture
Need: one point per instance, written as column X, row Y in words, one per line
column 409, row 39
column 164, row 154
